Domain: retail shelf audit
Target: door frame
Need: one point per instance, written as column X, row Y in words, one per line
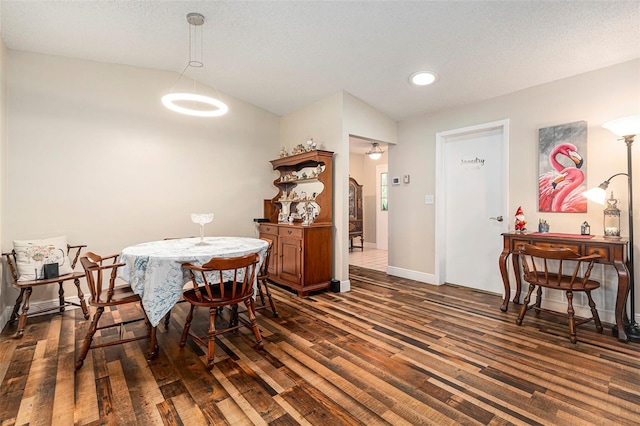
column 441, row 139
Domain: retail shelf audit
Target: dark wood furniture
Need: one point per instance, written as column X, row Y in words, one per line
column 26, row 287
column 302, row 255
column 611, row 252
column 107, row 295
column 234, row 278
column 263, row 281
column 355, row 214
column 558, row 269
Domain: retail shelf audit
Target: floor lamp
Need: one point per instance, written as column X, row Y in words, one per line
column 627, row 128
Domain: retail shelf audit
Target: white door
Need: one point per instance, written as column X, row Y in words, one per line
column 381, row 213
column 472, row 205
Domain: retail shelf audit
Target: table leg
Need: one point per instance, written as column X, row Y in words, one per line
column 153, row 344
column 515, row 258
column 621, row 299
column 505, row 280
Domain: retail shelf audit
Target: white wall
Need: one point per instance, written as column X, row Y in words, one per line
column 322, row 121
column 4, row 288
column 596, row 97
column 360, row 119
column 93, row 154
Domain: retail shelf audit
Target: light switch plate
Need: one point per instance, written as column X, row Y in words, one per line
column 406, row 178
column 428, row 199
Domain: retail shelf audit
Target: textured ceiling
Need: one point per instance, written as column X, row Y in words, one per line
column 281, row 55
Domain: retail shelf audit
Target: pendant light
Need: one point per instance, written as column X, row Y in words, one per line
column 190, row 103
column 375, row 153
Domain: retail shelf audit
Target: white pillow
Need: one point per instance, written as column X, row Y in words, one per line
column 31, row 255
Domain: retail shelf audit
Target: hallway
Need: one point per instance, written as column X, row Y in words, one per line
column 369, row 258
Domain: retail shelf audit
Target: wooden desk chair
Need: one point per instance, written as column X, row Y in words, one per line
column 109, row 295
column 538, row 271
column 263, row 277
column 235, row 277
column 26, row 287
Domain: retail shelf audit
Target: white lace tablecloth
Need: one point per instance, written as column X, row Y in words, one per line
column 154, row 269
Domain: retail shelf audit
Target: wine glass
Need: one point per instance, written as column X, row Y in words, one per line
column 201, row 219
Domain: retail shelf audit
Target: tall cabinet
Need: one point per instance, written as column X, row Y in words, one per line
column 301, row 222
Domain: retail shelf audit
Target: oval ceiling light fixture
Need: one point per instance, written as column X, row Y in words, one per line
column 172, row 99
column 423, row 78
column 192, row 101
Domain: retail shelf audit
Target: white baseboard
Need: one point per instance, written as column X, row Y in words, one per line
column 345, row 286
column 423, row 277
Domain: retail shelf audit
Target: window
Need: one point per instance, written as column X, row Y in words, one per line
column 384, row 192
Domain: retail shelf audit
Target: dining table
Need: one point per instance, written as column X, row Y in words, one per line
column 154, row 269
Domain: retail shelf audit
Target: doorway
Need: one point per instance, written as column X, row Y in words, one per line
column 472, row 204
column 365, row 171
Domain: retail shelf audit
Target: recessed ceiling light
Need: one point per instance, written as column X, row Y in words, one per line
column 423, row 78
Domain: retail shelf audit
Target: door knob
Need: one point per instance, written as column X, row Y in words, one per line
column 499, row 218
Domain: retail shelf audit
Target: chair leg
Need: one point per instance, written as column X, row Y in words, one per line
column 253, row 323
column 271, row 302
column 22, row 321
column 212, row 337
column 167, row 318
column 16, row 307
column 83, row 303
column 260, row 292
column 594, row 312
column 187, row 325
column 572, row 318
column 233, row 321
column 538, row 301
column 61, row 296
column 525, row 305
column 86, row 344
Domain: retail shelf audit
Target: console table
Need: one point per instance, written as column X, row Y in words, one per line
column 612, row 252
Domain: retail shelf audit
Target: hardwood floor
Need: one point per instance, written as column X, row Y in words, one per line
column 391, row 351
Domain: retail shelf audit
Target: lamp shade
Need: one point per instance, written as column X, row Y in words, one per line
column 624, row 126
column 597, row 194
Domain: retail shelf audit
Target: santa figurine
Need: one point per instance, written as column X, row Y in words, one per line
column 520, row 222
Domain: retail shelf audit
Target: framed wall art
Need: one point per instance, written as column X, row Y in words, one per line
column 562, row 156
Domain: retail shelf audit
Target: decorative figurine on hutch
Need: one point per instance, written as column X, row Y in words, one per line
column 311, row 145
column 283, row 152
column 520, row 222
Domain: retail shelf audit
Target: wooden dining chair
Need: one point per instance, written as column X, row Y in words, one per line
column 26, row 288
column 223, row 282
column 545, row 267
column 263, row 278
column 104, row 295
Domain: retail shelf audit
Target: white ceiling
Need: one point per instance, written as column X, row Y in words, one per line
column 284, row 55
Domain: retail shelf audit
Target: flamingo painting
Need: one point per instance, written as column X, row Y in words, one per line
column 568, row 198
column 562, row 155
column 548, row 185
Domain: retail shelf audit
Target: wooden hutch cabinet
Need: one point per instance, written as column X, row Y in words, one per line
column 301, row 222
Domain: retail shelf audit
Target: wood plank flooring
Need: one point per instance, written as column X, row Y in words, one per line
column 390, row 352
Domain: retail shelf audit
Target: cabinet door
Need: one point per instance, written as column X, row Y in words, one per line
column 291, row 259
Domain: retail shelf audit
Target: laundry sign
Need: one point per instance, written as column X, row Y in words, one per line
column 472, row 163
